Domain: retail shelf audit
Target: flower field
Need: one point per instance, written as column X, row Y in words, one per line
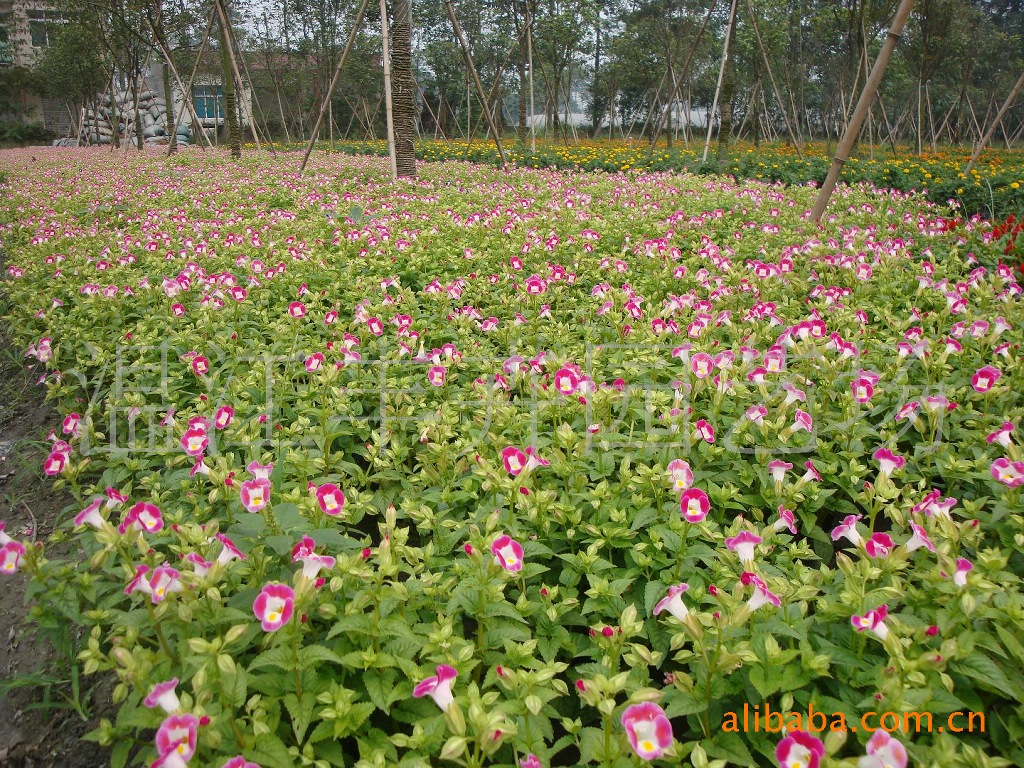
column 993, row 186
column 526, row 468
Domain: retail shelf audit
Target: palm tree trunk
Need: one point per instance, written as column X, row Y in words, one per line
column 402, row 89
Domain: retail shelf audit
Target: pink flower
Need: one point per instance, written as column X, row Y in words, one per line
column 1010, row 474
column 258, row 470
column 680, row 474
column 508, row 553
column 963, row 567
column 705, row 431
column 142, row 517
column 314, row 362
column 437, row 375
column 162, row 582
column 177, row 733
column 1002, row 435
column 274, row 606
column 919, row 539
column 778, row 468
column 163, row 695
column 862, row 389
column 803, row 421
column 55, row 463
column 757, row 413
column 229, row 551
column 195, row 442
column 702, row 364
column 883, row 751
column 648, row 730
column 438, row 687
column 10, row 557
column 873, row 620
column 297, row 309
column 255, row 494
column 985, row 378
column 673, row 602
column 239, row 762
column 91, row 515
column 223, row 417
column 888, row 461
column 330, row 498
column 743, row 545
column 847, row 529
column 200, row 365
column 514, row 460
column 566, row 381
column 305, row 552
column 879, row 545
column 786, row 520
column 799, row 750
column 70, row 425
column 694, row 505
column 531, row 761
column 762, row 595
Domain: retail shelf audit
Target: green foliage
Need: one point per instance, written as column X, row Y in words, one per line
column 552, row 648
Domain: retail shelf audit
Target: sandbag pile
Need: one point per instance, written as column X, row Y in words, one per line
column 99, row 124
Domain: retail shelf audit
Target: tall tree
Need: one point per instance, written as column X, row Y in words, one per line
column 403, row 100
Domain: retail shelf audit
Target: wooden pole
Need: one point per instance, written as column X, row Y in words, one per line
column 476, row 80
column 980, row 147
column 684, row 74
column 529, row 53
column 771, row 78
column 334, row 82
column 721, row 76
column 866, row 97
column 226, row 24
column 186, row 91
column 389, row 111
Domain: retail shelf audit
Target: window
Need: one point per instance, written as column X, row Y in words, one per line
column 209, row 101
column 6, row 54
column 41, row 27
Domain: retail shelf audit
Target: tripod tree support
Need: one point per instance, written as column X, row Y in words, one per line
column 476, row 82
column 334, row 82
column 980, row 147
column 863, row 105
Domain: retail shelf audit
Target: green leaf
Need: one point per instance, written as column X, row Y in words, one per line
column 765, row 679
column 270, row 752
column 281, row 657
column 988, row 674
column 312, row 655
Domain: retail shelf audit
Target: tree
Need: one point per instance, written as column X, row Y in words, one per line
column 402, row 89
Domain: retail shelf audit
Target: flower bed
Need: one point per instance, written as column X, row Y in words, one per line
column 531, row 468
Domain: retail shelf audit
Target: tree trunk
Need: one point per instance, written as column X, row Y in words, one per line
column 230, row 103
column 402, row 89
column 725, row 126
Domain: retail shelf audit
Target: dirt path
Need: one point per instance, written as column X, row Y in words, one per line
column 38, row 729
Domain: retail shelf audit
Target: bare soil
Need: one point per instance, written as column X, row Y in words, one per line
column 38, row 729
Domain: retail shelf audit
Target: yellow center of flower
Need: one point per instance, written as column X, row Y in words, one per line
column 182, row 747
column 647, row 746
column 256, row 497
column 159, row 591
column 693, row 507
column 8, row 566
column 330, row 502
column 273, row 616
column 511, row 560
column 862, row 393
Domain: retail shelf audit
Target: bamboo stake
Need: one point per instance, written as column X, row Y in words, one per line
column 529, row 53
column 676, row 84
column 866, row 97
column 771, row 78
column 226, row 24
column 721, row 76
column 980, row 147
column 252, row 90
column 186, row 92
column 476, row 80
column 388, row 106
column 334, row 82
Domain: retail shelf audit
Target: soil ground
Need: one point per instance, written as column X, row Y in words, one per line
column 37, row 727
